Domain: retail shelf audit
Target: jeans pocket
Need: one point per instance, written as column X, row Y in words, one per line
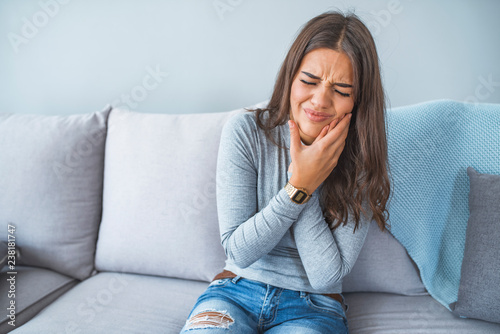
column 325, row 304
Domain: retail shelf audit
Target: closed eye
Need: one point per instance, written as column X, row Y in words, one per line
column 342, row 94
column 336, row 90
column 308, row 82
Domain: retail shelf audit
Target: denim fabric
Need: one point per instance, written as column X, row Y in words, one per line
column 245, row 306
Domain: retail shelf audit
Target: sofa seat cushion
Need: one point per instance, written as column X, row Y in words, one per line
column 385, row 313
column 51, row 174
column 120, row 303
column 34, row 289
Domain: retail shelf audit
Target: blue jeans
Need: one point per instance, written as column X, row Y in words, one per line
column 242, row 306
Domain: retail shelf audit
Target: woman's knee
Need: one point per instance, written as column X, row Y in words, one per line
column 216, row 316
column 210, row 319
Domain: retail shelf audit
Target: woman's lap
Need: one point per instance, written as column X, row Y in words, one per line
column 244, row 306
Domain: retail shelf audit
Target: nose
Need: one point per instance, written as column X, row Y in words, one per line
column 322, row 98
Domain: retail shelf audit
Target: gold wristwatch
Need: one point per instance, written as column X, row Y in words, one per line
column 297, row 195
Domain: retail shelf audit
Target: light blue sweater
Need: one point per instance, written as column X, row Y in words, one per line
column 266, row 236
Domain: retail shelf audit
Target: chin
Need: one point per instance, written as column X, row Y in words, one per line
column 313, row 128
column 311, row 132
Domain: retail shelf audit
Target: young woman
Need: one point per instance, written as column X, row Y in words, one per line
column 297, row 185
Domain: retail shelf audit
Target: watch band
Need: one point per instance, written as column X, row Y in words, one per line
column 297, row 195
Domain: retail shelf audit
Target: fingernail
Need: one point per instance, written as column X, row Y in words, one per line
column 349, row 115
column 290, row 124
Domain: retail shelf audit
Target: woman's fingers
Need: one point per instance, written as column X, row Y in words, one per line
column 294, row 136
column 335, row 139
column 339, row 129
column 334, row 123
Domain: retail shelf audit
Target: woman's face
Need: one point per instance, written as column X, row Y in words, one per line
column 321, row 91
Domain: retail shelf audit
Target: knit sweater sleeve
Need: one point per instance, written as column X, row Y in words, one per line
column 246, row 233
column 327, row 255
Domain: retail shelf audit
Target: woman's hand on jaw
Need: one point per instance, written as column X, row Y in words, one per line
column 312, row 164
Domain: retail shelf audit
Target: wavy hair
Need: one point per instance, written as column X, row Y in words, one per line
column 362, row 172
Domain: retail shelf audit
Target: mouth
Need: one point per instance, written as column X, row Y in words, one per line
column 317, row 116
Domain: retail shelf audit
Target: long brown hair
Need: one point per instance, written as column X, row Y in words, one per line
column 361, row 173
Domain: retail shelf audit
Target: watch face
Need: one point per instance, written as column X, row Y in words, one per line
column 299, row 196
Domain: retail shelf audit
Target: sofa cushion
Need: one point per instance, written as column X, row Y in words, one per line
column 120, row 303
column 35, row 288
column 383, row 265
column 51, row 188
column 384, row 313
column 479, row 291
column 159, row 214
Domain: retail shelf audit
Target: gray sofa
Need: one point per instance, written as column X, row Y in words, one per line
column 114, row 215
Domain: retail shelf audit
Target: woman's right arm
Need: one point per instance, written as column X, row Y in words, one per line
column 247, row 234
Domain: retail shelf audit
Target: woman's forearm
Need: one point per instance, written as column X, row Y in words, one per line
column 327, row 255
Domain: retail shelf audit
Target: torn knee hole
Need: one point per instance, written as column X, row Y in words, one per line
column 207, row 319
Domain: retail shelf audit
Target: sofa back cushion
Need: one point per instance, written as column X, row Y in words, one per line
column 160, row 215
column 383, row 265
column 51, row 188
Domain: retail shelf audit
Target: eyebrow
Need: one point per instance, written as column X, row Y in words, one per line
column 312, row 76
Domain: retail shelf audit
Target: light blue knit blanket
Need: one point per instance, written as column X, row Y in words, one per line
column 430, row 147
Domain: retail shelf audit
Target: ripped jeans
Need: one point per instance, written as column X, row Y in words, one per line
column 242, row 306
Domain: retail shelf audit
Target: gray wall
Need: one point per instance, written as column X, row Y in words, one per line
column 188, row 56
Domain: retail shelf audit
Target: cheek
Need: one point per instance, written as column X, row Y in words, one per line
column 298, row 93
column 343, row 105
